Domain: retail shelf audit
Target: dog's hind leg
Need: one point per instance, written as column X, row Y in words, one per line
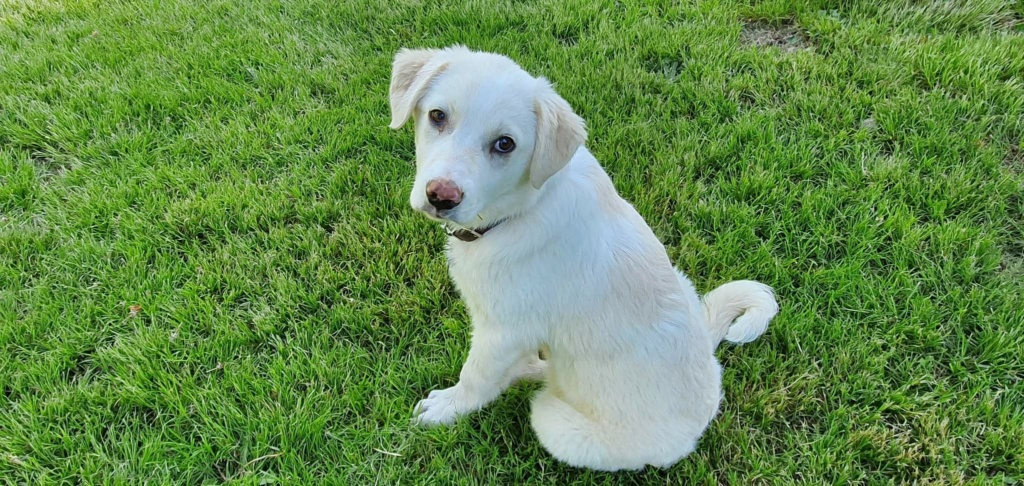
column 566, row 433
column 575, row 439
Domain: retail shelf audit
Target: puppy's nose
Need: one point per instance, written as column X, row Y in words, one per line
column 443, row 194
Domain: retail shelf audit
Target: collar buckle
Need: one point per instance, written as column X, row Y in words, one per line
column 463, row 234
column 467, row 234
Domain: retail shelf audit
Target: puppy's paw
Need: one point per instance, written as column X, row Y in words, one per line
column 439, row 408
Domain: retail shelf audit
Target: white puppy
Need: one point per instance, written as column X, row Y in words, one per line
column 549, row 257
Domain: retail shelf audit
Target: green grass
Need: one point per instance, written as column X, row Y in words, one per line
column 227, row 168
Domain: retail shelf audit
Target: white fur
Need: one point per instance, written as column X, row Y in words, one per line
column 630, row 373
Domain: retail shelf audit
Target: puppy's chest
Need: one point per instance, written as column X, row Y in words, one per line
column 488, row 271
column 499, row 282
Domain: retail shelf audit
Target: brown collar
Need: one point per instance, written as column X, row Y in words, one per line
column 468, row 235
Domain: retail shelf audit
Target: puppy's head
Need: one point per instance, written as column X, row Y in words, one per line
column 488, row 134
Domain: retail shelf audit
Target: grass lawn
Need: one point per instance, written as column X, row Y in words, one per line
column 209, row 270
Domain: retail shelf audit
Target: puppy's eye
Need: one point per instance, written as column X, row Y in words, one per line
column 438, row 117
column 504, row 145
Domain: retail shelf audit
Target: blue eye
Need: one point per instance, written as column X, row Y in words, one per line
column 504, row 145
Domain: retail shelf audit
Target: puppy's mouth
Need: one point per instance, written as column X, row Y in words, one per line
column 451, row 223
column 446, row 217
column 435, row 214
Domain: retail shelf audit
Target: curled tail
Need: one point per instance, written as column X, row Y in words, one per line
column 739, row 311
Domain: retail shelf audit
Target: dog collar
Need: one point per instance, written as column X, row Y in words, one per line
column 467, row 234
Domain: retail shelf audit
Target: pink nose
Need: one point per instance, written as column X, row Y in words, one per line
column 443, row 194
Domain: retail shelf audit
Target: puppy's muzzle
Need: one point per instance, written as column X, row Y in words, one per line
column 443, row 194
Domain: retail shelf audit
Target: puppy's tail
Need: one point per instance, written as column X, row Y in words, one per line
column 739, row 311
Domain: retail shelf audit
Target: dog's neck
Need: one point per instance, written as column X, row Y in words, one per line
column 467, row 234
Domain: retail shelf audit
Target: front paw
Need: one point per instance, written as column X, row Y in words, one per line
column 441, row 407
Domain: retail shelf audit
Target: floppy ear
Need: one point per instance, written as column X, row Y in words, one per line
column 411, row 72
column 560, row 132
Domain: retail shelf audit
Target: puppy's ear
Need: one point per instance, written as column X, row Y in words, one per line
column 560, row 132
column 411, row 73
